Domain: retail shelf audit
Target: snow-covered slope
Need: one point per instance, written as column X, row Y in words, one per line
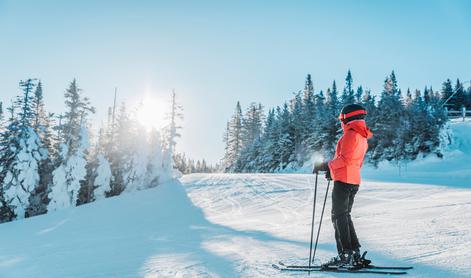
column 152, row 233
column 454, row 169
column 249, row 222
column 426, row 226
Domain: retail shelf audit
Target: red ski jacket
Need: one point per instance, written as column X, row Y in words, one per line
column 350, row 152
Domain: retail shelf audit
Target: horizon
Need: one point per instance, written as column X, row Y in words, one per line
column 215, row 54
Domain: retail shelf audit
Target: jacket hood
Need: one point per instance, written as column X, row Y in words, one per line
column 359, row 126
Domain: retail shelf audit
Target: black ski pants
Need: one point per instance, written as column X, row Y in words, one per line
column 342, row 202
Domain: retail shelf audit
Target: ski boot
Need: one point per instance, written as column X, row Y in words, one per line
column 360, row 260
column 343, row 260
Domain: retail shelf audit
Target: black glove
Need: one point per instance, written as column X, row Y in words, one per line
column 320, row 167
column 327, row 175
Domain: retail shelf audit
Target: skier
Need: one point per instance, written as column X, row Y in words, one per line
column 344, row 169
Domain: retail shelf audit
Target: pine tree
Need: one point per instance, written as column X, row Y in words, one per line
column 70, row 175
column 328, row 123
column 136, row 166
column 359, row 94
column 120, row 155
column 447, row 95
column 459, row 97
column 389, row 146
column 297, row 129
column 309, row 115
column 155, row 167
column 103, row 177
column 348, row 95
column 252, row 124
column 42, row 127
column 269, row 159
column 234, row 140
column 7, row 152
column 21, row 174
column 467, row 102
column 172, row 132
column 286, row 137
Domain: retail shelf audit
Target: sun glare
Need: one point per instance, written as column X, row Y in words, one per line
column 151, row 113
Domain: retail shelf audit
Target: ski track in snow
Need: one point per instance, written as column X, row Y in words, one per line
column 426, row 226
column 225, row 225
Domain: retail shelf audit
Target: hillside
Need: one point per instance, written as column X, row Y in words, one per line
column 152, row 233
column 233, row 225
column 453, row 169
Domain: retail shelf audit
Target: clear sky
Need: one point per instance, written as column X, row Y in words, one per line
column 217, row 52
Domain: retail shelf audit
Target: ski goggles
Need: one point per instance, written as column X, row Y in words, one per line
column 343, row 117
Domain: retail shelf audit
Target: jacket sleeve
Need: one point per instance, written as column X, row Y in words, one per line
column 346, row 151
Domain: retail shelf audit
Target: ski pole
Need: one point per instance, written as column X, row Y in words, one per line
column 312, row 224
column 320, row 223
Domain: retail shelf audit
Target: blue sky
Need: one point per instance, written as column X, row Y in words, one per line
column 217, row 52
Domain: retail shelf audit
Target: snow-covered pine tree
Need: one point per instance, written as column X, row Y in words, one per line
column 103, row 177
column 172, row 133
column 25, row 153
column 446, row 93
column 328, row 125
column 297, row 130
column 70, row 175
column 71, row 171
column 348, row 95
column 285, row 140
column 180, row 163
column 269, row 159
column 359, row 94
column 97, row 181
column 6, row 160
column 309, row 113
column 412, row 115
column 388, row 143
column 252, row 124
column 369, row 102
column 234, row 140
column 135, row 168
column 459, row 96
column 155, row 167
column 42, row 127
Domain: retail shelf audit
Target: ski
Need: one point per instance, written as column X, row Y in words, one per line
column 338, row 270
column 367, row 267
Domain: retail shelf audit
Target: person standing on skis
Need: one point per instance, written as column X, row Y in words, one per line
column 344, row 170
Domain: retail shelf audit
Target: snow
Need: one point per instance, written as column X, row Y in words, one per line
column 453, row 169
column 103, row 178
column 237, row 225
column 150, row 233
column 399, row 224
column 246, row 222
column 67, row 177
column 20, row 181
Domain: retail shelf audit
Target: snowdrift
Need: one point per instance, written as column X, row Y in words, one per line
column 151, row 233
column 454, row 169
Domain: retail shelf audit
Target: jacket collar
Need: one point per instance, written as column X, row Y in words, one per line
column 359, row 126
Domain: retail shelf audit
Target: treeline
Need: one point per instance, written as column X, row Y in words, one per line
column 189, row 166
column 456, row 97
column 405, row 124
column 49, row 162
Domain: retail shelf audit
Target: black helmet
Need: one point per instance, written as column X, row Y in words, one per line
column 352, row 112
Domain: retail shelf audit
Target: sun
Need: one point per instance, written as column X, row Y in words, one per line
column 151, row 113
